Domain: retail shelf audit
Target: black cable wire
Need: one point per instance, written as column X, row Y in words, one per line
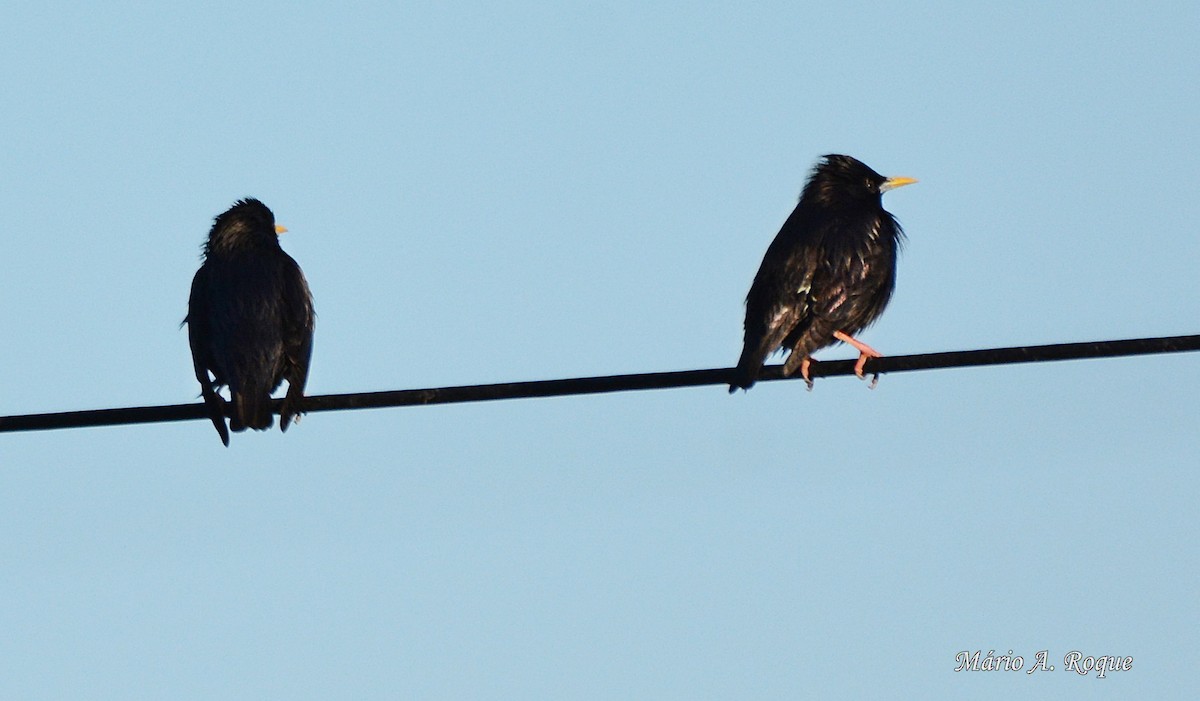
column 616, row 383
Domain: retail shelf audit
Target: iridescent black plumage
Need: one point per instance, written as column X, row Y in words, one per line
column 831, row 268
column 250, row 320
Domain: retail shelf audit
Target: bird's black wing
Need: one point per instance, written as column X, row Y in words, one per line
column 780, row 300
column 299, row 321
column 200, row 338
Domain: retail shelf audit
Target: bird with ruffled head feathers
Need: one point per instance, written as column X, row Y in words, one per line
column 828, row 274
column 250, row 321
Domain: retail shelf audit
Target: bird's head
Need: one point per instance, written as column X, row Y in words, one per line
column 845, row 181
column 247, row 224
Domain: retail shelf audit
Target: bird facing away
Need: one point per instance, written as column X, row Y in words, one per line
column 828, row 274
column 250, row 320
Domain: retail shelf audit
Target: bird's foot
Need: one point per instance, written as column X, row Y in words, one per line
column 804, row 365
column 216, row 412
column 798, row 363
column 865, row 353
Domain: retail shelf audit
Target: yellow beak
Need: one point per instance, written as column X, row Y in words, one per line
column 893, row 183
column 280, row 229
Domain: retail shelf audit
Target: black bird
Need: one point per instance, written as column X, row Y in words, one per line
column 828, row 274
column 250, row 320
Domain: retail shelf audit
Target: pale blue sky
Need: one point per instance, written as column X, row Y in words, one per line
column 500, row 192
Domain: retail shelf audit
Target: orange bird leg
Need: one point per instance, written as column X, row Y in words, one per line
column 804, row 364
column 864, row 352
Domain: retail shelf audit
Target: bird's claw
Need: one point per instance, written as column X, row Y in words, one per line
column 858, row 370
column 865, row 353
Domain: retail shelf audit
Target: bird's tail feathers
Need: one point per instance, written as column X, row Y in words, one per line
column 251, row 409
column 748, row 367
column 754, row 356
